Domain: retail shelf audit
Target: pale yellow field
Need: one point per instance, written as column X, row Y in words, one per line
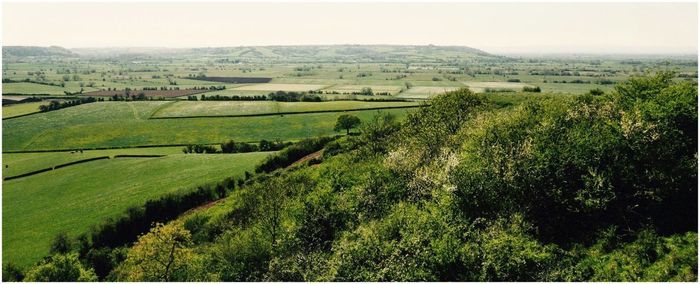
column 20, row 109
column 280, row 87
column 479, row 87
column 356, row 88
column 425, row 91
column 204, row 108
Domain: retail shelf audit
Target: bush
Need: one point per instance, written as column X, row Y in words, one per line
column 60, row 268
column 164, row 254
column 11, row 273
column 572, row 167
column 61, row 244
column 292, row 153
column 535, row 89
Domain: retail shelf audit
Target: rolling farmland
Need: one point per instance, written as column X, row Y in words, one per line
column 68, row 169
column 72, row 199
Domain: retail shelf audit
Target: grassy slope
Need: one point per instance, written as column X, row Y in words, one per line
column 112, row 124
column 199, row 108
column 71, row 199
column 19, row 163
column 20, row 109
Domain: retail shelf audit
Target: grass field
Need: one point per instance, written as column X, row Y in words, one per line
column 19, row 163
column 480, row 87
column 357, row 88
column 72, row 199
column 31, row 88
column 222, row 108
column 21, row 109
column 118, row 124
column 280, row 87
column 425, row 92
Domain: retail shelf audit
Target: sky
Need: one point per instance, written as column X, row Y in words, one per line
column 495, row 27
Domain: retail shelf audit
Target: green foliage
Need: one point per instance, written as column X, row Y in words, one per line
column 240, row 255
column 648, row 257
column 376, row 133
column 12, row 273
column 596, row 92
column 292, row 153
column 574, row 166
column 507, row 252
column 61, row 244
column 164, row 254
column 465, row 190
column 346, row 122
column 60, row 268
column 430, row 128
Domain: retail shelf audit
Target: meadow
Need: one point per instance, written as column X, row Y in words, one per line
column 71, row 199
column 233, row 108
column 20, row 163
column 21, row 109
column 119, row 124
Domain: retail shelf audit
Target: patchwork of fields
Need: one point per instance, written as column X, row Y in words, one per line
column 72, row 199
column 127, row 124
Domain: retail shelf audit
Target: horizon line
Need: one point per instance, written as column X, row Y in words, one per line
column 486, row 50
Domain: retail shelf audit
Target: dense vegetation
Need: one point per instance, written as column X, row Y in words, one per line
column 587, row 188
column 55, row 105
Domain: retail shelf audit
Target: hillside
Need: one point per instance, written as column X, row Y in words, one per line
column 387, row 53
column 587, row 188
column 22, row 51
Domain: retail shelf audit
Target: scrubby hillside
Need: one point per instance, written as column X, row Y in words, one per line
column 591, row 188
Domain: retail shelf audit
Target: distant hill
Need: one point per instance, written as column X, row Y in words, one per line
column 321, row 53
column 20, row 51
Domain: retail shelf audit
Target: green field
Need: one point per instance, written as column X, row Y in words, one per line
column 21, row 109
column 19, row 163
column 39, row 89
column 119, row 124
column 71, row 199
column 224, row 108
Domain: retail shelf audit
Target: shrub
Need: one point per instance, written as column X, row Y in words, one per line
column 60, row 268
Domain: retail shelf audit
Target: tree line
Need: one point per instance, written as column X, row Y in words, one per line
column 56, row 105
column 236, row 147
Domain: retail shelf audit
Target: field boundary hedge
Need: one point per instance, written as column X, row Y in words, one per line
column 21, row 115
column 79, row 162
column 138, row 156
column 56, row 167
column 101, row 148
column 285, row 113
column 234, row 80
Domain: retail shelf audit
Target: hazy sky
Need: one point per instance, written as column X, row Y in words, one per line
column 499, row 28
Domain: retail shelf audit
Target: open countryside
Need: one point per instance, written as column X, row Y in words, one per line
column 346, row 162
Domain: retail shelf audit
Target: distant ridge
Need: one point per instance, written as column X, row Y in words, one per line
column 339, row 52
column 20, row 51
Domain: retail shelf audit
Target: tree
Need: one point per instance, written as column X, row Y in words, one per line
column 270, row 209
column 346, row 122
column 61, row 244
column 164, row 254
column 11, row 273
column 366, row 91
column 596, row 92
column 60, row 268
